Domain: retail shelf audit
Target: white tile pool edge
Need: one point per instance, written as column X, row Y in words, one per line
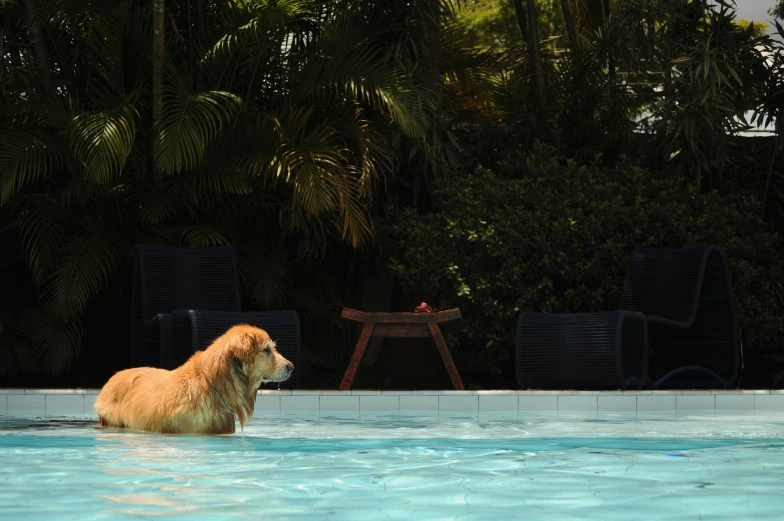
column 667, row 404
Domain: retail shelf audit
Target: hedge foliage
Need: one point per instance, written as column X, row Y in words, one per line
column 547, row 236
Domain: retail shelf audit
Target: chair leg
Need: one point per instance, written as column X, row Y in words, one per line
column 435, row 331
column 356, row 358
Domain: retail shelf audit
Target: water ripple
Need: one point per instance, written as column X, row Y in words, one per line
column 389, row 469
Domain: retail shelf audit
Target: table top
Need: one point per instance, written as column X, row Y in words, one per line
column 401, row 318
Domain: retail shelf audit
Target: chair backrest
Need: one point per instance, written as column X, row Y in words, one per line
column 687, row 298
column 167, row 279
column 186, row 278
column 665, row 283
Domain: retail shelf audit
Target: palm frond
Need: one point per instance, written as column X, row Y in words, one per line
column 369, row 153
column 55, row 344
column 223, row 181
column 311, row 150
column 109, row 49
column 276, row 283
column 58, row 345
column 252, row 146
column 464, row 66
column 314, row 186
column 195, row 236
column 42, row 223
column 153, row 205
column 58, row 113
column 264, row 276
column 103, row 141
column 331, row 164
column 190, row 122
column 17, row 353
column 313, row 234
column 84, row 266
column 351, row 63
column 319, row 307
column 355, row 217
column 255, row 20
column 27, row 154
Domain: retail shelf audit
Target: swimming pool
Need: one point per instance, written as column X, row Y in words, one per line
column 710, row 467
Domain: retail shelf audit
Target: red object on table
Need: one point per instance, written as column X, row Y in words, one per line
column 424, row 308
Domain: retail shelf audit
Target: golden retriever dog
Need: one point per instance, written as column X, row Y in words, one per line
column 203, row 395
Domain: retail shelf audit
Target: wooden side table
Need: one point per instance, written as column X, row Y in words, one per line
column 401, row 325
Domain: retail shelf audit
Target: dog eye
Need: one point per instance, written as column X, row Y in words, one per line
column 267, row 349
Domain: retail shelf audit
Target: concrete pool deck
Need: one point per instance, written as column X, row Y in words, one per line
column 43, row 403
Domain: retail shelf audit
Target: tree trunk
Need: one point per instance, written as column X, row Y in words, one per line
column 200, row 37
column 536, row 51
column 201, row 20
column 10, row 34
column 431, row 54
column 39, row 47
column 589, row 15
column 668, row 49
column 522, row 23
column 697, row 7
column 610, row 58
column 605, row 10
column 696, row 16
column 571, row 28
column 158, row 61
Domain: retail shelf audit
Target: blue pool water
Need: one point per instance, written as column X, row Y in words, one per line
column 401, row 468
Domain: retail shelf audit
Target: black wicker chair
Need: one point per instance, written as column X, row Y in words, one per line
column 687, row 299
column 175, row 292
column 581, row 351
column 685, row 296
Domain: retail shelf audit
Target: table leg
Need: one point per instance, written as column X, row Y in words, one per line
column 435, row 331
column 356, row 358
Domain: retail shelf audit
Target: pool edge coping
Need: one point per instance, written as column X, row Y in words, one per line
column 52, row 403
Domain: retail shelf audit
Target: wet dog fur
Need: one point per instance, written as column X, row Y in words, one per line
column 187, row 400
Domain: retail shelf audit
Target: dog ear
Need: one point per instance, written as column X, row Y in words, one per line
column 241, row 350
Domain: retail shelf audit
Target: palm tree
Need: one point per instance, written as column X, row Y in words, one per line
column 571, row 26
column 535, row 50
column 270, row 125
column 528, row 23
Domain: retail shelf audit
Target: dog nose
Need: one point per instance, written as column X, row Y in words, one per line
column 290, row 366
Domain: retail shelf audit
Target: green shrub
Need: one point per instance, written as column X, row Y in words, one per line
column 547, row 237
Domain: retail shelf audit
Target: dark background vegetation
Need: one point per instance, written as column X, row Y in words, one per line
column 495, row 156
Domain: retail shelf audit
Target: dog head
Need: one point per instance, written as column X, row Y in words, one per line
column 254, row 355
column 242, row 359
